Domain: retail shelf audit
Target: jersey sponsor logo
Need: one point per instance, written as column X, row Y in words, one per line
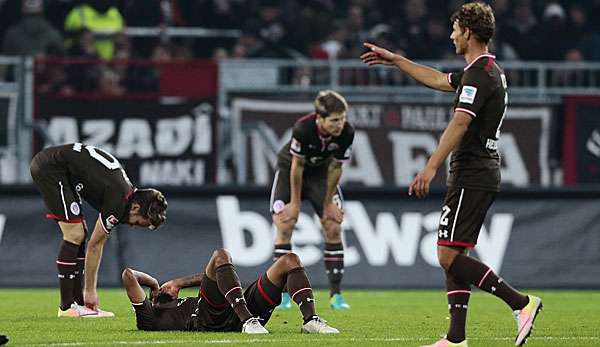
column 332, row 146
column 467, row 95
column 443, row 234
column 296, row 146
column 75, row 208
column 79, row 187
column 111, row 221
column 278, row 206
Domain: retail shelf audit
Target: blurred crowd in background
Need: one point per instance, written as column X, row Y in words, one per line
column 540, row 30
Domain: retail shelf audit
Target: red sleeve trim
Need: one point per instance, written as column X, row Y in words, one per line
column 60, row 219
column 469, row 112
column 456, row 243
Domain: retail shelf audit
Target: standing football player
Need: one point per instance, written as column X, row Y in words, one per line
column 66, row 174
column 472, row 135
column 309, row 167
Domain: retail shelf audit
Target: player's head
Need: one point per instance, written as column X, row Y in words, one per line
column 148, row 208
column 160, row 299
column 331, row 112
column 473, row 22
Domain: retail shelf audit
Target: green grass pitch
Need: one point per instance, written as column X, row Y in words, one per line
column 377, row 318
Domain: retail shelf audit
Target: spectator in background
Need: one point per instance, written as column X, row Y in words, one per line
column 552, row 34
column 84, row 73
column 156, row 13
column 571, row 77
column 217, row 14
column 219, row 53
column 109, row 82
column 436, row 35
column 147, row 78
column 33, row 34
column 582, row 34
column 271, row 31
column 519, row 32
column 101, row 18
column 410, row 29
column 51, row 77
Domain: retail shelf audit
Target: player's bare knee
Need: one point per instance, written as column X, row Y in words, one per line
column 291, row 260
column 221, row 257
column 446, row 257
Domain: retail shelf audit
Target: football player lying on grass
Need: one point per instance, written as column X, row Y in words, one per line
column 221, row 304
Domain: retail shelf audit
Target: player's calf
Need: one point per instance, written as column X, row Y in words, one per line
column 229, row 285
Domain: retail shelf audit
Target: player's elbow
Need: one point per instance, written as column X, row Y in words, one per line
column 127, row 275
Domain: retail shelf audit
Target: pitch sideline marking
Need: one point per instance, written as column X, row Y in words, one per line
column 265, row 341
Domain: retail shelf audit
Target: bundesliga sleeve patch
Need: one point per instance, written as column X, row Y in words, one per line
column 295, row 146
column 467, row 95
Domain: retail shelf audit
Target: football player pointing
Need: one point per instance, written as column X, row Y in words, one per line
column 67, row 174
column 472, row 135
column 309, row 167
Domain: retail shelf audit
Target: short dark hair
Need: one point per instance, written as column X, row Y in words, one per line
column 153, row 205
column 478, row 17
column 328, row 102
column 161, row 298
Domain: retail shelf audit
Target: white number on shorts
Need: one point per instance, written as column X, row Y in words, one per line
column 444, row 218
column 111, row 164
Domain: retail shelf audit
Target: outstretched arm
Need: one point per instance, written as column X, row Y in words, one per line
column 92, row 263
column 425, row 75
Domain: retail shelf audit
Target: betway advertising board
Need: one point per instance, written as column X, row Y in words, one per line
column 392, row 141
column 159, row 141
column 389, row 241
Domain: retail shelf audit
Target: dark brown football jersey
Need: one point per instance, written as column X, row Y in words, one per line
column 98, row 177
column 316, row 149
column 175, row 315
column 481, row 92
